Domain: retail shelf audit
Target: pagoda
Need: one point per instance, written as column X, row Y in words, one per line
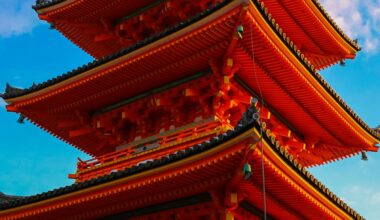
column 201, row 109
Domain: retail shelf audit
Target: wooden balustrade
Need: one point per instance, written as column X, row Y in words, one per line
column 137, row 151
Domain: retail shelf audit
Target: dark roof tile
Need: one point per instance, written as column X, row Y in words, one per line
column 19, row 92
column 15, row 92
column 353, row 43
column 308, row 176
column 312, row 70
column 8, row 198
column 213, row 142
column 40, row 4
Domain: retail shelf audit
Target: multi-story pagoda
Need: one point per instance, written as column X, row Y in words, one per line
column 207, row 109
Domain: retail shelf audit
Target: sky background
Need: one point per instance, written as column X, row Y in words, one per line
column 31, row 161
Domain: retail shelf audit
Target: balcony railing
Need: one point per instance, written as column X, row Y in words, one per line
column 149, row 148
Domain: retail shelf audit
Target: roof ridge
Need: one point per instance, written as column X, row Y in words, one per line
column 40, row 4
column 320, row 7
column 248, row 121
column 5, row 197
column 298, row 53
column 97, row 62
column 271, row 21
column 244, row 124
column 281, row 150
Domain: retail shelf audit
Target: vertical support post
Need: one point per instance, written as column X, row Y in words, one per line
column 227, row 215
column 224, row 203
column 230, row 204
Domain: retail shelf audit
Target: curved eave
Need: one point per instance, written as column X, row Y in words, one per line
column 300, row 62
column 313, row 31
column 7, row 198
column 68, row 18
column 53, row 4
column 137, row 51
column 209, row 153
column 330, row 24
column 315, row 5
column 114, row 64
column 347, row 48
column 296, row 173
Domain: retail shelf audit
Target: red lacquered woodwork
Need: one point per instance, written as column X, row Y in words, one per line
column 261, row 63
column 212, row 112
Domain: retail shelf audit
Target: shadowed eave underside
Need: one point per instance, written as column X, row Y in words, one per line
column 13, row 94
column 44, row 6
column 247, row 127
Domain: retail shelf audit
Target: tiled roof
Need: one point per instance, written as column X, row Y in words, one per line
column 297, row 52
column 40, row 4
column 7, row 198
column 243, row 126
column 46, row 3
column 247, row 122
column 305, row 174
column 353, row 43
column 12, row 92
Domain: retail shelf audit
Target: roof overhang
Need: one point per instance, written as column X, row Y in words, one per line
column 304, row 88
column 131, row 55
column 194, row 171
column 54, row 5
column 305, row 22
column 158, row 55
column 306, row 82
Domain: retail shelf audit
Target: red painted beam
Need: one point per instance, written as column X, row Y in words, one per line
column 80, row 132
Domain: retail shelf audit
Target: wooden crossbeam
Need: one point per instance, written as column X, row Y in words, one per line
column 80, row 132
column 67, row 123
column 192, row 92
column 104, row 37
column 281, row 131
column 295, row 144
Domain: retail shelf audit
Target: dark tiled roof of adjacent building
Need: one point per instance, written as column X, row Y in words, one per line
column 247, row 122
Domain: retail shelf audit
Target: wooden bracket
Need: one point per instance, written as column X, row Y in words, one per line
column 80, row 132
column 11, row 108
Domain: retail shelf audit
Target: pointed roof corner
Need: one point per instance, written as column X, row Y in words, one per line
column 377, row 129
column 7, row 198
column 11, row 91
column 353, row 42
column 45, row 3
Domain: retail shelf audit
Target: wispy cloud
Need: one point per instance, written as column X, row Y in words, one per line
column 370, row 204
column 2, row 103
column 359, row 19
column 17, row 17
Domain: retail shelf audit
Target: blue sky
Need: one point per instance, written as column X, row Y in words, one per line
column 32, row 161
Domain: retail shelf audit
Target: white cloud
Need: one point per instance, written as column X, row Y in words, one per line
column 369, row 205
column 2, row 103
column 17, row 17
column 359, row 19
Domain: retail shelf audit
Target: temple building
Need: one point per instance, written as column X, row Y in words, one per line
column 201, row 109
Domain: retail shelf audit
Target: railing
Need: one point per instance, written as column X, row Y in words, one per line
column 150, row 148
